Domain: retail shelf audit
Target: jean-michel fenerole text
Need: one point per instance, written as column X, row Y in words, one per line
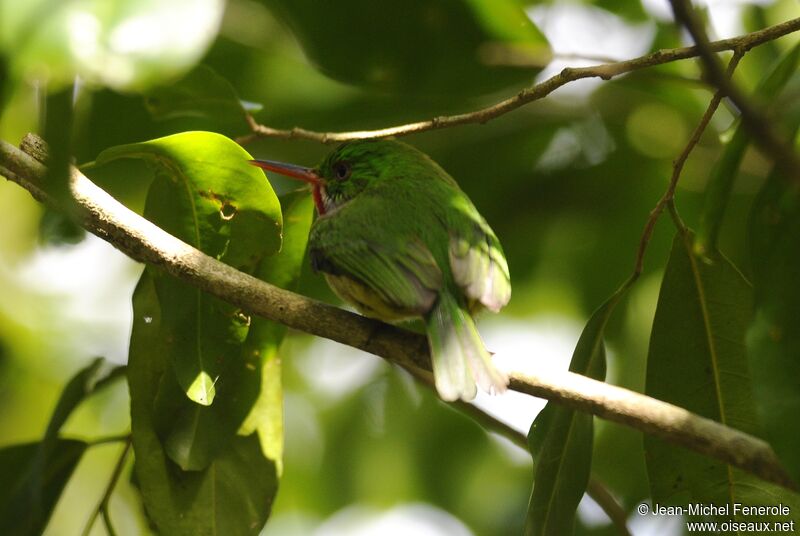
column 729, row 510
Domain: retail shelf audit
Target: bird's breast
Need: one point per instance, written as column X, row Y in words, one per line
column 367, row 301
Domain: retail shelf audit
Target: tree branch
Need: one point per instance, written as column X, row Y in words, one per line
column 605, row 71
column 752, row 116
column 141, row 240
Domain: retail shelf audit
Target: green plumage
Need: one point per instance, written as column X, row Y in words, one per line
column 397, row 238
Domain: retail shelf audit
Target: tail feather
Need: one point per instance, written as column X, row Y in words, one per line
column 459, row 358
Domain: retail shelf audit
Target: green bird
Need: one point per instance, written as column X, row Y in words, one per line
column 397, row 238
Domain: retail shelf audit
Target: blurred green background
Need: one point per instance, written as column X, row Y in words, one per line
column 566, row 182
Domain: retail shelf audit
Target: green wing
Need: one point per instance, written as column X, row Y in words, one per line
column 477, row 261
column 400, row 270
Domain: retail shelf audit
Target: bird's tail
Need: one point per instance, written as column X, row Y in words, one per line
column 459, row 358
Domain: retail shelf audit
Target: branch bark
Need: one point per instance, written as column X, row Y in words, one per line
column 143, row 241
column 605, row 71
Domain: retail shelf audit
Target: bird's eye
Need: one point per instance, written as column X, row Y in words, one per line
column 341, row 170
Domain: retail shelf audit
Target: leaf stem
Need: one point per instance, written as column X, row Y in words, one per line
column 110, row 439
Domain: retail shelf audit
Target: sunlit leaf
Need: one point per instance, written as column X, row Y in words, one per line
column 217, row 203
column 233, row 493
column 439, row 47
column 121, row 43
column 213, row 470
column 697, row 361
column 251, row 384
column 261, row 345
column 561, row 441
column 206, row 194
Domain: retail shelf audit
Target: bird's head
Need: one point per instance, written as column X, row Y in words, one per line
column 349, row 169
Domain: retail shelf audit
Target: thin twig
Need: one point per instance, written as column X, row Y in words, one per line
column 605, row 71
column 109, row 439
column 668, row 199
column 101, row 214
column 753, row 117
column 102, row 506
column 605, row 500
column 491, row 423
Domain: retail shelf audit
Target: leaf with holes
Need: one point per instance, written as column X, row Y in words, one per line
column 233, row 493
column 697, row 360
column 206, row 194
column 214, row 470
column 251, row 386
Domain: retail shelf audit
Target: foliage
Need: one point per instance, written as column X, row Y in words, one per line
column 560, row 439
column 567, row 183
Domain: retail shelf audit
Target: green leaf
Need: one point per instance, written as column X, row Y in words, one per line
column 213, row 470
column 231, row 495
column 125, row 44
column 629, row 9
column 201, row 94
column 216, row 202
column 720, row 183
column 773, row 339
column 23, row 510
column 562, row 470
column 206, row 194
column 560, row 440
column 252, row 382
column 56, row 228
column 96, row 375
column 697, row 361
column 58, row 126
column 266, row 415
column 419, row 46
column 35, row 474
